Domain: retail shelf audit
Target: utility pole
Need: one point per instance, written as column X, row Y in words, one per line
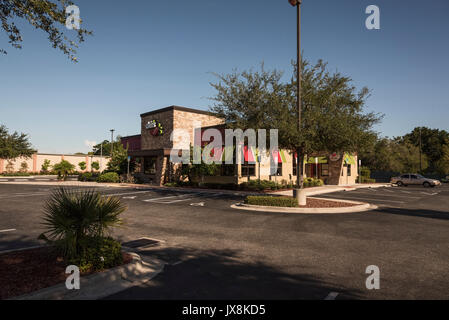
column 420, row 151
column 112, row 141
column 299, row 193
column 101, row 156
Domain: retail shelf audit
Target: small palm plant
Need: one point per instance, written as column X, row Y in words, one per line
column 76, row 219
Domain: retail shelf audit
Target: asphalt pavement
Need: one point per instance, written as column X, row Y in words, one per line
column 215, row 252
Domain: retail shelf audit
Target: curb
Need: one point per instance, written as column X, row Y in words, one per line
column 362, row 207
column 336, row 189
column 102, row 284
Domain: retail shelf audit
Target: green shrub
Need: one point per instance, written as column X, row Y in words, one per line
column 15, row 174
column 88, row 176
column 362, row 179
column 365, row 172
column 312, row 182
column 171, row 184
column 45, row 167
column 63, row 169
column 109, row 177
column 95, row 165
column 271, row 201
column 73, row 218
column 99, row 253
column 82, row 165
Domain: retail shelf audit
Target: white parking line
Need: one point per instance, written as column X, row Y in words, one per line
column 124, row 194
column 7, row 230
column 391, row 195
column 173, row 201
column 161, row 198
column 370, row 199
column 331, row 296
column 182, row 197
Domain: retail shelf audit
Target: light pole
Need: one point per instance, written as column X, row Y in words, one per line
column 112, row 141
column 420, row 151
column 299, row 193
column 101, row 156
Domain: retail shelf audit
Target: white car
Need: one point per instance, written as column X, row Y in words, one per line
column 414, row 179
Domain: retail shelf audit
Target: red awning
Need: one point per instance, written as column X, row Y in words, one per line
column 248, row 155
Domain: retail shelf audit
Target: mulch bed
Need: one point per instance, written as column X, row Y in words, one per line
column 321, row 203
column 26, row 271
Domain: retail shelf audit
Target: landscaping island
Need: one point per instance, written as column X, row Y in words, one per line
column 77, row 224
column 26, row 271
column 290, row 204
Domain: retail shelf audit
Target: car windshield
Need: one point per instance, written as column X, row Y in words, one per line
column 420, row 176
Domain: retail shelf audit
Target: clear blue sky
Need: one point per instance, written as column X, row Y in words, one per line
column 150, row 54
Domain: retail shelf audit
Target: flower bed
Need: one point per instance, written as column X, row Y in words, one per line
column 290, row 202
column 25, row 271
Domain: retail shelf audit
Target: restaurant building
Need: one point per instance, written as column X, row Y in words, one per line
column 151, row 150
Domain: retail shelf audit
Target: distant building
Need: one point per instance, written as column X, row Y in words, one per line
column 35, row 162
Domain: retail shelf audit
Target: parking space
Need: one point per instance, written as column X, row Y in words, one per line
column 390, row 196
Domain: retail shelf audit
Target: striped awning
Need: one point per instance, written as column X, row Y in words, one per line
column 349, row 159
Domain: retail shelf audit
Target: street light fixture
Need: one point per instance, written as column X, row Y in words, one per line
column 299, row 191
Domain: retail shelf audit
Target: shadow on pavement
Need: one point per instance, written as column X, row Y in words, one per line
column 8, row 242
column 221, row 274
column 423, row 213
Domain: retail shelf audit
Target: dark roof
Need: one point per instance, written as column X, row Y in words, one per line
column 133, row 136
column 176, row 108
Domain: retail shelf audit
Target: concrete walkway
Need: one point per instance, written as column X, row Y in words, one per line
column 329, row 189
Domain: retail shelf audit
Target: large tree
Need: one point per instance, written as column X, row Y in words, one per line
column 434, row 144
column 105, row 147
column 48, row 16
column 333, row 111
column 14, row 145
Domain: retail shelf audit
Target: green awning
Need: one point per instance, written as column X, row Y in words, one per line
column 349, row 159
column 311, row 160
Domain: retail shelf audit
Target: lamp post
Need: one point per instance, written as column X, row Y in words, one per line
column 112, row 141
column 420, row 151
column 299, row 193
column 101, row 156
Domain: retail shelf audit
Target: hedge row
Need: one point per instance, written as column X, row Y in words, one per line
column 271, row 201
column 252, row 185
column 111, row 177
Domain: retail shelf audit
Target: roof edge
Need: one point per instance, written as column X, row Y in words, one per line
column 179, row 108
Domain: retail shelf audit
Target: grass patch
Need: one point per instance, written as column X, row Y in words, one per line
column 271, row 201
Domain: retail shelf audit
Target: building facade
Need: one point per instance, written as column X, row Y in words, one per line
column 151, row 152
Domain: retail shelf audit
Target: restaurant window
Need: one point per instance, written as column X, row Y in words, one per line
column 248, row 169
column 149, row 165
column 278, row 169
column 324, row 169
column 227, row 170
column 348, row 168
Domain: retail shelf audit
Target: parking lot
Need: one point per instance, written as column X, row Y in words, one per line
column 214, row 251
column 393, row 197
